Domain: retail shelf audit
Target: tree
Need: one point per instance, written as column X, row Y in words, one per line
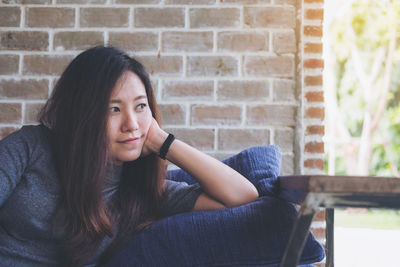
column 363, row 92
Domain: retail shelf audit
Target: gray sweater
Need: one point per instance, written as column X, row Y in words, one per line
column 29, row 191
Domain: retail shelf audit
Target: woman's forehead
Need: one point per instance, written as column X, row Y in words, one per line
column 129, row 85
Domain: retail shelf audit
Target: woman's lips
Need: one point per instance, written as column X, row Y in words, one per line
column 130, row 141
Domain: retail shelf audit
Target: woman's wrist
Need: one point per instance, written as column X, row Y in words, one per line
column 165, row 146
column 158, row 140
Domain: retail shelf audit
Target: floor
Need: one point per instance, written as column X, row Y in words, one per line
column 358, row 247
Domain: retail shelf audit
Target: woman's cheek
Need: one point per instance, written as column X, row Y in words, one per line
column 111, row 129
column 148, row 121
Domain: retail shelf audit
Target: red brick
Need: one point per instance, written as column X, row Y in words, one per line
column 313, row 63
column 314, row 147
column 24, row 40
column 313, row 48
column 284, row 90
column 137, row 41
column 316, row 113
column 187, row 41
column 49, row 17
column 271, row 115
column 314, row 164
column 159, row 17
column 24, row 89
column 164, row 65
column 9, row 64
column 284, row 42
column 320, row 216
column 313, row 80
column 314, row 14
column 10, row 16
column 212, row 66
column 216, row 115
column 31, row 112
column 243, row 90
column 315, row 96
column 214, row 17
column 314, row 31
column 269, row 66
column 188, row 90
column 104, row 17
column 243, row 41
column 172, row 113
column 77, row 40
column 284, row 138
column 315, row 129
column 202, row 139
column 4, row 131
column 10, row 113
column 276, row 17
column 319, row 233
column 45, row 64
column 239, row 139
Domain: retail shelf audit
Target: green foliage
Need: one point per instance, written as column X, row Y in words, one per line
column 366, row 27
column 389, row 132
column 372, row 218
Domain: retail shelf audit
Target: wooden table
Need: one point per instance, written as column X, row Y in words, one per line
column 315, row 191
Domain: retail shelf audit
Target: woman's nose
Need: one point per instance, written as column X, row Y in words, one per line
column 130, row 123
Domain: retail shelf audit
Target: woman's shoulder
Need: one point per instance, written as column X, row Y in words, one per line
column 29, row 132
column 38, row 130
column 28, row 137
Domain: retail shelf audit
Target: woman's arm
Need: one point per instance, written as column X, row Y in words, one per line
column 15, row 152
column 224, row 186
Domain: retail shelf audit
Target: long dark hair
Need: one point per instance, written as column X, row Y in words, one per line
column 76, row 114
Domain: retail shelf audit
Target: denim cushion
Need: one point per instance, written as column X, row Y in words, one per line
column 254, row 234
column 261, row 165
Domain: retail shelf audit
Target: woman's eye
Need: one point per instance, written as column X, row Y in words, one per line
column 114, row 109
column 141, row 106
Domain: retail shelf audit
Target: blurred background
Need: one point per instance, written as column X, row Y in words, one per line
column 362, row 94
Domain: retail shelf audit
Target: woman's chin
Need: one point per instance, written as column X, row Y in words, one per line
column 128, row 157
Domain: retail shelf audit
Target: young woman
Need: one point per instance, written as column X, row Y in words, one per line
column 77, row 187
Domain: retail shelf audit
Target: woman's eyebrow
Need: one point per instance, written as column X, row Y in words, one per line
column 140, row 97
column 135, row 99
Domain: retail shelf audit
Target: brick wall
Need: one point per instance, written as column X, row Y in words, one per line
column 312, row 99
column 229, row 74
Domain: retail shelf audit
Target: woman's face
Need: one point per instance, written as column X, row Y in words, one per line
column 129, row 118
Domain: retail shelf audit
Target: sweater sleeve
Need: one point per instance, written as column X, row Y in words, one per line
column 14, row 157
column 179, row 197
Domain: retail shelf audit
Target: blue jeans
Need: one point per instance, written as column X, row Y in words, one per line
column 254, row 234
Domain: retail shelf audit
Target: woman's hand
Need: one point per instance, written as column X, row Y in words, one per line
column 154, row 139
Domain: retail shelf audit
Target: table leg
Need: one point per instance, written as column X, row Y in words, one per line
column 299, row 234
column 329, row 217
